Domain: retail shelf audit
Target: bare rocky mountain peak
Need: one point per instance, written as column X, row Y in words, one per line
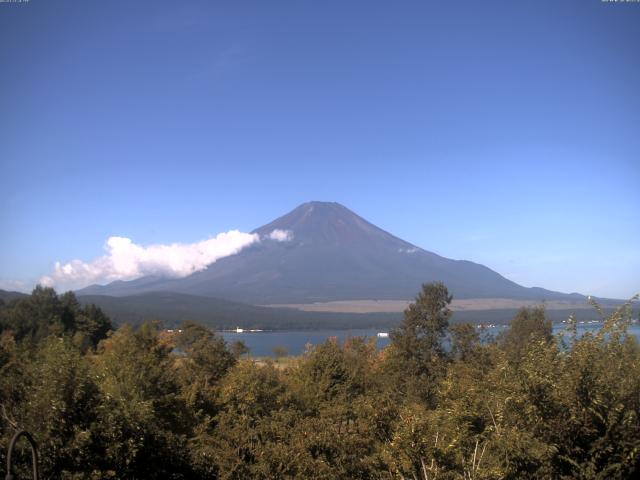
column 331, row 223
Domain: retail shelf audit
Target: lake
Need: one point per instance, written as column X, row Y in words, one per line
column 295, row 341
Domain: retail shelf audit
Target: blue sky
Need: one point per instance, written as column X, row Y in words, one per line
column 507, row 133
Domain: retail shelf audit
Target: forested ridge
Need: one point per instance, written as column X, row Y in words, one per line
column 142, row 403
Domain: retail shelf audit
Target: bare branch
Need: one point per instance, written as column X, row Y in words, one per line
column 12, row 423
column 493, row 419
column 424, row 469
column 482, row 454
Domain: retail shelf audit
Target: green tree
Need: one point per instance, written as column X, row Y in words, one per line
column 343, row 410
column 237, row 447
column 465, row 341
column 91, row 326
column 417, row 358
column 60, row 409
column 35, row 317
column 597, row 429
column 45, row 313
column 143, row 422
column 530, row 325
column 13, row 384
column 206, row 362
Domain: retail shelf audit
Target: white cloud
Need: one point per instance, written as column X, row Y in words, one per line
column 281, row 235
column 126, row 260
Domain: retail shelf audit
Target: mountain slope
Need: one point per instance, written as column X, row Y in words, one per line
column 8, row 296
column 332, row 254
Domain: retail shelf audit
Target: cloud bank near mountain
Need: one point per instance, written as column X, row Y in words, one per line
column 126, row 260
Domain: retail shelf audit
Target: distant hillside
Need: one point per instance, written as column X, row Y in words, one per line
column 7, row 296
column 173, row 308
column 332, row 254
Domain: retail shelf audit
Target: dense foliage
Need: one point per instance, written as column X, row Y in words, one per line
column 147, row 403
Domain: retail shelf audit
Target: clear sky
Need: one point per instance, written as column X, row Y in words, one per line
column 503, row 132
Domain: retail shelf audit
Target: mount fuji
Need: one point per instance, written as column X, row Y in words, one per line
column 321, row 252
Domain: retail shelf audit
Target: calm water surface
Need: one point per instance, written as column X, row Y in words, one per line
column 295, row 341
